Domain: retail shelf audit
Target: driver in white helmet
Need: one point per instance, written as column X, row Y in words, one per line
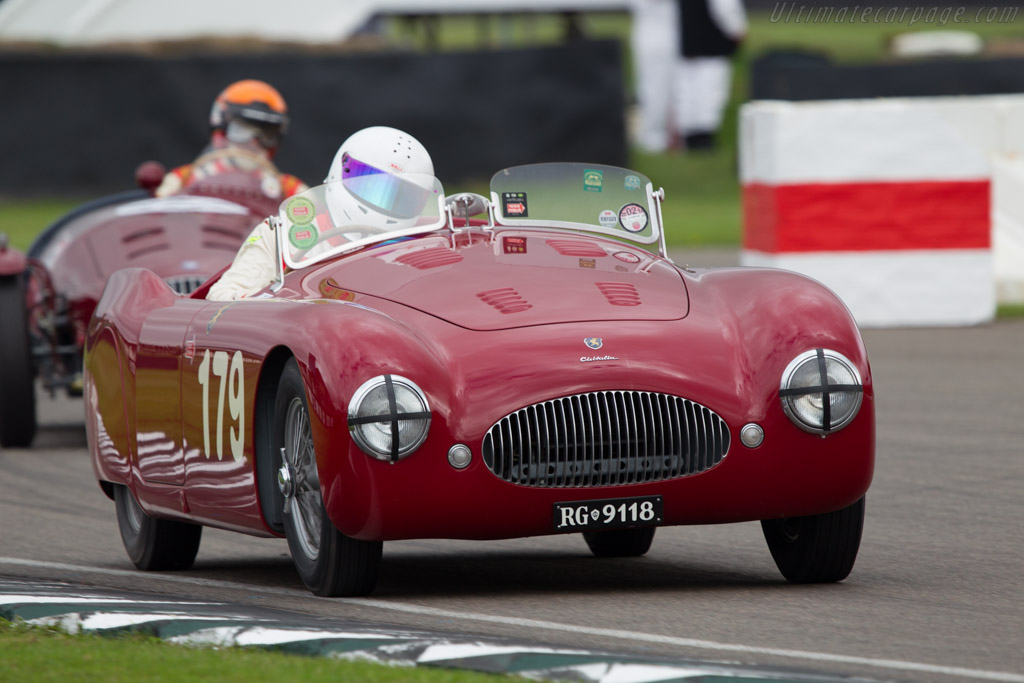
column 362, row 164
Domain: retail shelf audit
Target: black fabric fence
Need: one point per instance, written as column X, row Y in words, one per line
column 810, row 76
column 80, row 124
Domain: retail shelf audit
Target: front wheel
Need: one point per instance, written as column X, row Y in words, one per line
column 816, row 548
column 620, row 542
column 329, row 562
column 154, row 544
column 17, row 380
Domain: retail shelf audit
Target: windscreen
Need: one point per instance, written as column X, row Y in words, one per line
column 606, row 199
column 343, row 215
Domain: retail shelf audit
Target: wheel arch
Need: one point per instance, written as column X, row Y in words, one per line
column 266, row 462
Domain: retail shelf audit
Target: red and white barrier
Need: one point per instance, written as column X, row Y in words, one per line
column 886, row 201
column 1008, row 229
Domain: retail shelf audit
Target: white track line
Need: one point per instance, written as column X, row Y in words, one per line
column 892, row 664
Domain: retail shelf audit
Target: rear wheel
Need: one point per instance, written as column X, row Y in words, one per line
column 816, row 548
column 620, row 542
column 154, row 544
column 17, row 379
column 329, row 562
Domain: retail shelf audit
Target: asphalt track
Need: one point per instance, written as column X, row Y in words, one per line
column 937, row 593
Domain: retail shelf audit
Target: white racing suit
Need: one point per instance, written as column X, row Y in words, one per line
column 252, row 270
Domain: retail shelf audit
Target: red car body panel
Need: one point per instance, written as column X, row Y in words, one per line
column 184, row 238
column 484, row 333
column 171, row 244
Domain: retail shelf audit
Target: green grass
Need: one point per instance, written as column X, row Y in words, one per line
column 37, row 654
column 23, row 219
column 1010, row 311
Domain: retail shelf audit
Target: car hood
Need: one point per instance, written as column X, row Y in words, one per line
column 512, row 279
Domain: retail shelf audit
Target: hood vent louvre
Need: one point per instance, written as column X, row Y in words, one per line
column 506, row 300
column 619, row 293
column 430, row 258
column 576, row 248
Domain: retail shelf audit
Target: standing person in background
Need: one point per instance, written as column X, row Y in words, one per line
column 655, row 46
column 711, row 32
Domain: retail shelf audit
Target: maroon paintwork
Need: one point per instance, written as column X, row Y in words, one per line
column 184, row 239
column 443, row 316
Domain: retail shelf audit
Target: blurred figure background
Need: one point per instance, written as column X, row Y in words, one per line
column 682, row 55
column 655, row 41
column 247, row 121
column 711, row 32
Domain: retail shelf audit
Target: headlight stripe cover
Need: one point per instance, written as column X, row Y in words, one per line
column 393, row 415
column 393, row 409
column 823, row 388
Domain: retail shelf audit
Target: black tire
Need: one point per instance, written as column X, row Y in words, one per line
column 17, row 378
column 329, row 562
column 817, row 548
column 620, row 542
column 154, row 544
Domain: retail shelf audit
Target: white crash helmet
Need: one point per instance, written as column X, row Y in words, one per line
column 369, row 193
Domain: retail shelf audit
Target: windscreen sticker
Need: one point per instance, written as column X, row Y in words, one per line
column 300, row 211
column 607, row 218
column 513, row 205
column 633, row 217
column 593, row 180
column 302, row 236
column 632, row 182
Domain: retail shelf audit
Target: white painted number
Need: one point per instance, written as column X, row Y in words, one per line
column 231, row 381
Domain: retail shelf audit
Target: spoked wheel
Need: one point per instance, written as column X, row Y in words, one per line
column 154, row 544
column 816, row 548
column 17, row 379
column 329, row 562
column 620, row 542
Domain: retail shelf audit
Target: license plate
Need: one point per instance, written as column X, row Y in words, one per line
column 613, row 513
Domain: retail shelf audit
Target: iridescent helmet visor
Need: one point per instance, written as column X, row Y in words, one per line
column 385, row 192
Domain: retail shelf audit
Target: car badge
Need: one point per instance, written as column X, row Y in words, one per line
column 594, row 342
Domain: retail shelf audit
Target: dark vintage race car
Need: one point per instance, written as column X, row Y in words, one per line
column 533, row 370
column 48, row 295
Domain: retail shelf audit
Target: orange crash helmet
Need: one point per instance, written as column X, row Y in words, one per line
column 250, row 112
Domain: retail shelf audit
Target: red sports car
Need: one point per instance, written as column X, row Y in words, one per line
column 48, row 295
column 530, row 370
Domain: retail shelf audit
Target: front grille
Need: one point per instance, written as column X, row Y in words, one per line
column 185, row 284
column 605, row 438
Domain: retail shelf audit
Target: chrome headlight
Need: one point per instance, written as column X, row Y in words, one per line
column 389, row 417
column 821, row 391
